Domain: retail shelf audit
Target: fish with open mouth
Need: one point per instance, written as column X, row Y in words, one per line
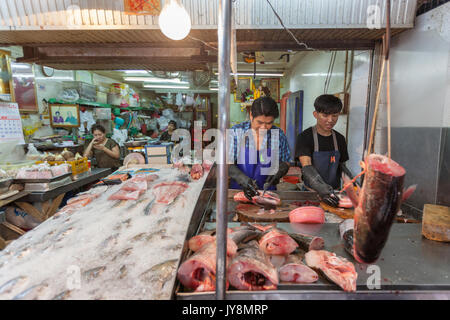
column 251, row 269
column 277, row 242
column 198, row 272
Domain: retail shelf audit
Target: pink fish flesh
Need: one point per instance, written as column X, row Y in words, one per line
column 309, row 214
column 294, row 270
column 277, row 242
column 337, row 269
column 196, row 171
column 377, row 205
column 269, row 198
column 167, row 192
column 251, row 269
column 125, row 195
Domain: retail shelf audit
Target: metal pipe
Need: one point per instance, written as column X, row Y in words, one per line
column 223, row 33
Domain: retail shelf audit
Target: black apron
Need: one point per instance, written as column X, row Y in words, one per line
column 327, row 162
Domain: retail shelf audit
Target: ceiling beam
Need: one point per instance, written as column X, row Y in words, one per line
column 313, row 44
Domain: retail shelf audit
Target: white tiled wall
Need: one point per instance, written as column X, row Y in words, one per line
column 309, row 74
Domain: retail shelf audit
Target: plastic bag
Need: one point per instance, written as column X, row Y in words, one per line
column 179, row 99
column 69, row 95
column 61, row 169
column 168, row 113
column 120, row 136
column 163, row 123
column 33, row 153
column 20, row 218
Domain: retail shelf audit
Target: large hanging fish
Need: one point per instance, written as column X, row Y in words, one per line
column 376, row 205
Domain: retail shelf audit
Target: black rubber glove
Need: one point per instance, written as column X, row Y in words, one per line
column 315, row 181
column 283, row 168
column 248, row 185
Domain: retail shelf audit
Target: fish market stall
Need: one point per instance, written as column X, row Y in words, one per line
column 410, row 265
column 45, row 196
column 112, row 242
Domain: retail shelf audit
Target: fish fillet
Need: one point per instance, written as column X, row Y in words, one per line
column 269, row 198
column 337, row 269
column 167, row 192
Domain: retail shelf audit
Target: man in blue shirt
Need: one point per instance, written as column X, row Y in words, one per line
column 259, row 152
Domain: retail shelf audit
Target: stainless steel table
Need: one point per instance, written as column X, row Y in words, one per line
column 95, row 174
column 410, row 267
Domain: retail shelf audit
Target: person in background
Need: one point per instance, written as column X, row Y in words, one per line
column 57, row 118
column 247, row 174
column 105, row 151
column 322, row 151
column 167, row 135
column 71, row 119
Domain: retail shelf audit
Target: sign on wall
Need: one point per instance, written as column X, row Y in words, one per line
column 24, row 87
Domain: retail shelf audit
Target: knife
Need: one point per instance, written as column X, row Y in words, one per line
column 266, row 186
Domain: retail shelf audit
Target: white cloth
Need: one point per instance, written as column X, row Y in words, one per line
column 120, row 136
column 88, row 117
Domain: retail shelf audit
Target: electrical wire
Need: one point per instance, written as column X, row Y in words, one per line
column 289, row 31
column 205, row 43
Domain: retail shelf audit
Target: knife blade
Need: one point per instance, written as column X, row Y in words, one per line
column 266, row 186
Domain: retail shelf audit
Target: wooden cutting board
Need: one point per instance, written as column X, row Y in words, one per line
column 343, row 213
column 251, row 213
column 436, row 222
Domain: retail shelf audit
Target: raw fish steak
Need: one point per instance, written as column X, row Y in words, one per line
column 251, row 269
column 269, row 198
column 167, row 192
column 337, row 269
column 277, row 242
column 294, row 270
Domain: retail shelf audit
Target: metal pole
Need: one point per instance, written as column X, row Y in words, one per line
column 224, row 32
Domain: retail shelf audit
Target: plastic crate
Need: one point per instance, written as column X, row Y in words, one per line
column 78, row 166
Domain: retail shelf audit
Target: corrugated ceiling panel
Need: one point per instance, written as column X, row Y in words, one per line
column 296, row 14
column 155, row 36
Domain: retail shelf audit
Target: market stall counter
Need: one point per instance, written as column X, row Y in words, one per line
column 410, row 266
column 87, row 178
column 119, row 241
column 43, row 204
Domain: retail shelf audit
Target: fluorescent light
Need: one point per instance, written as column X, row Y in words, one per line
column 214, row 89
column 134, row 71
column 155, row 86
column 321, row 74
column 54, row 78
column 258, row 74
column 153, row 79
column 23, row 75
column 20, row 66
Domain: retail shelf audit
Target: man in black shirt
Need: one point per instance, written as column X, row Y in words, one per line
column 322, row 151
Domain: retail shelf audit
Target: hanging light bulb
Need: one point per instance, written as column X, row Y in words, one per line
column 174, row 20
